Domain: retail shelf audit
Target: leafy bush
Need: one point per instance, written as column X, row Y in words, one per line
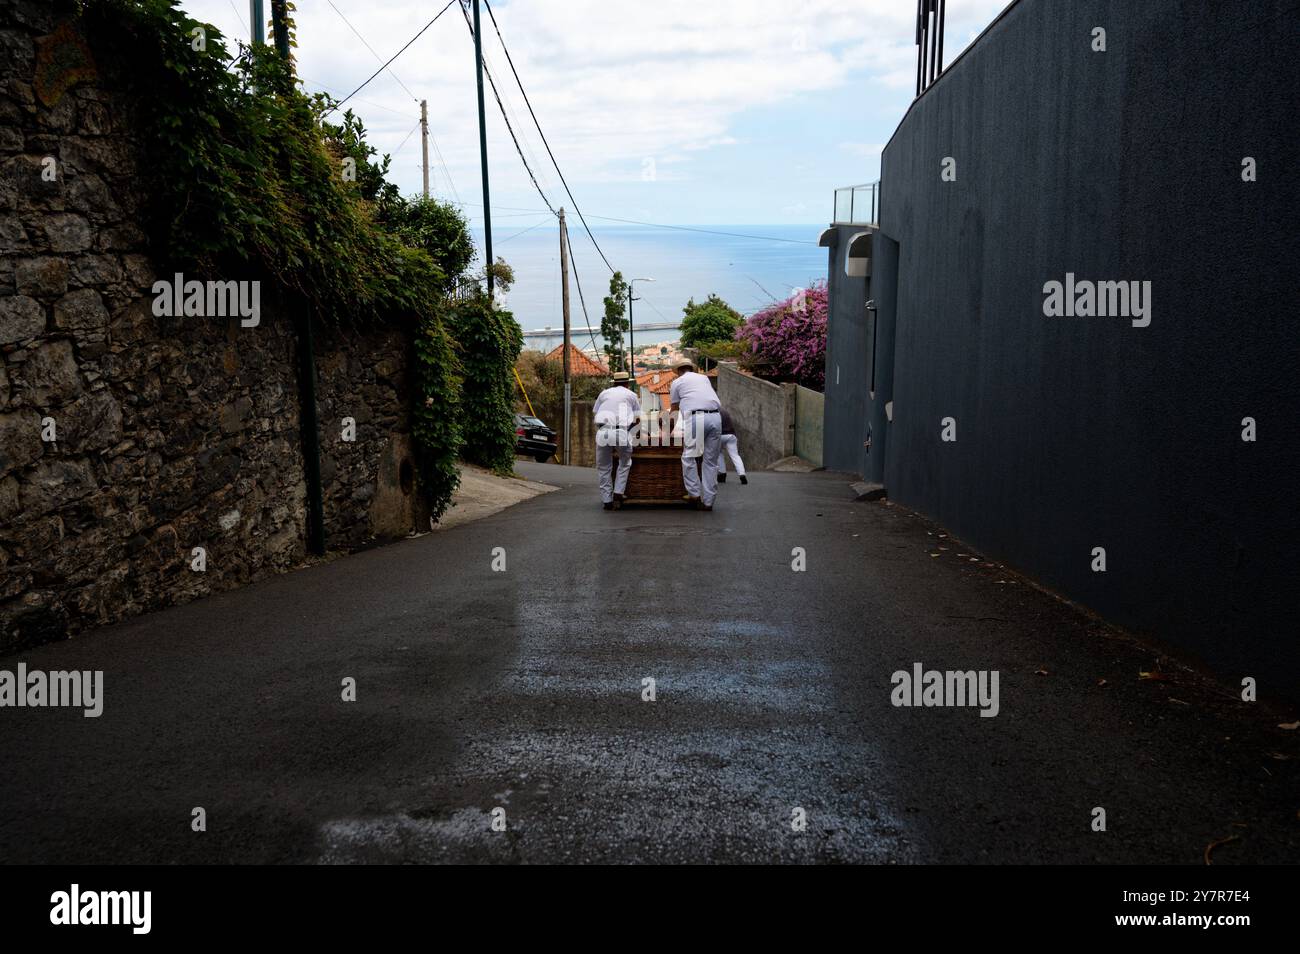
column 732, row 350
column 787, row 341
column 709, row 321
column 488, row 341
column 543, row 379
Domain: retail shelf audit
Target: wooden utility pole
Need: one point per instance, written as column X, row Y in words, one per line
column 424, row 141
column 564, row 298
column 482, row 148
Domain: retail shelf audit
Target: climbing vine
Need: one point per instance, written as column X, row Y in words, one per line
column 436, row 423
column 252, row 178
column 488, row 341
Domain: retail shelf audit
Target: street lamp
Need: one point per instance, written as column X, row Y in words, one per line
column 631, row 330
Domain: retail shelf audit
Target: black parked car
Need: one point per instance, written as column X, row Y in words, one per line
column 534, row 438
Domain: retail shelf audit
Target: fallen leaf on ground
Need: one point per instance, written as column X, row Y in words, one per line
column 1215, row 844
column 1289, row 725
column 1155, row 676
column 1101, row 682
column 1041, row 672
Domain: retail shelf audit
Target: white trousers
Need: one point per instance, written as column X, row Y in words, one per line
column 702, row 430
column 728, row 447
column 608, row 442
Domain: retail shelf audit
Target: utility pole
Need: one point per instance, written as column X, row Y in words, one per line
column 631, row 333
column 280, row 27
column 564, row 298
column 257, row 20
column 424, row 141
column 482, row 148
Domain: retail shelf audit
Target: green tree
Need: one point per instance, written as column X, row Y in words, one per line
column 613, row 324
column 438, row 228
column 709, row 321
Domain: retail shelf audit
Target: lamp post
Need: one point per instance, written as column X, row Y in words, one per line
column 631, row 330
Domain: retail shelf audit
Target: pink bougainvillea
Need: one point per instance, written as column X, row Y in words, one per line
column 787, row 340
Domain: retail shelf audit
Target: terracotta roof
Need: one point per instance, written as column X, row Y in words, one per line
column 579, row 364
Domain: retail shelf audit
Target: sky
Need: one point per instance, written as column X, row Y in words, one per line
column 672, row 111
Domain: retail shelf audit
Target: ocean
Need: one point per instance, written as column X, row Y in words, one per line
column 749, row 269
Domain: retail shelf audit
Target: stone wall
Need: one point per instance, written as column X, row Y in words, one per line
column 762, row 413
column 127, row 440
column 582, row 430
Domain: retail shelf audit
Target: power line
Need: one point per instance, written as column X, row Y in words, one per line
column 577, row 281
column 535, row 225
column 432, row 137
column 443, row 162
column 568, row 192
column 506, row 119
column 393, row 57
column 370, row 48
column 407, row 139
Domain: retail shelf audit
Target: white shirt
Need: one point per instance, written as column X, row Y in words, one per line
column 616, row 405
column 693, row 392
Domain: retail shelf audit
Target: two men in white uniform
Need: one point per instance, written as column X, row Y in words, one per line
column 693, row 398
column 617, row 411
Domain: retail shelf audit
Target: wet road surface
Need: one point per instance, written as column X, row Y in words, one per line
column 522, row 690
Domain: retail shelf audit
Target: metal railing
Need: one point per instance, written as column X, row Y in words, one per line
column 467, row 288
column 858, row 205
column 929, row 42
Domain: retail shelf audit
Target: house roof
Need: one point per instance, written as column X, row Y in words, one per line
column 579, row 364
column 665, row 384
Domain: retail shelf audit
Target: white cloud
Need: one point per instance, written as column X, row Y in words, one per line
column 613, row 81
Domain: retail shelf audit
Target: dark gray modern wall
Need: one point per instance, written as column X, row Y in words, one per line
column 1075, row 433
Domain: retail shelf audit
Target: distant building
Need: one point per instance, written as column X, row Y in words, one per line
column 580, row 366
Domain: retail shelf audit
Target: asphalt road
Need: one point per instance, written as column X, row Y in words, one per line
column 522, row 690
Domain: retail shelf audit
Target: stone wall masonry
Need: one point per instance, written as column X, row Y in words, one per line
column 169, row 433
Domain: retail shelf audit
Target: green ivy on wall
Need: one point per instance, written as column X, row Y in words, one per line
column 249, row 179
column 488, row 341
